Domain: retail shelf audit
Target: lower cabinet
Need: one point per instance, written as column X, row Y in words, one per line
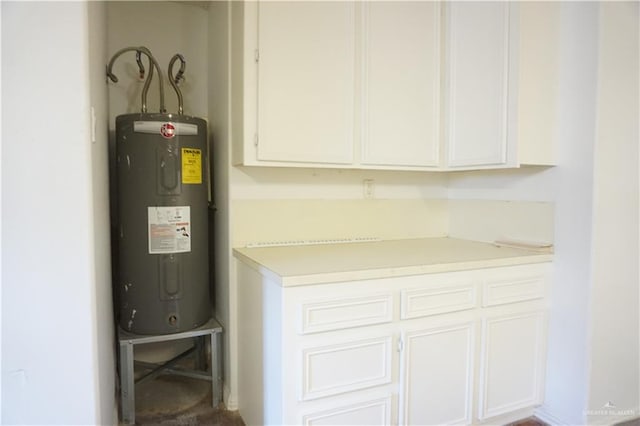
column 449, row 348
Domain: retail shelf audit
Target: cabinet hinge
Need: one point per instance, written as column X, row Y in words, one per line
column 256, row 55
column 255, row 139
column 400, row 345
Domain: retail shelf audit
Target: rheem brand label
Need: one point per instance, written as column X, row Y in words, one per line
column 169, row 229
column 168, row 130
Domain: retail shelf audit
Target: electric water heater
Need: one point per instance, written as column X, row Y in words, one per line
column 162, row 234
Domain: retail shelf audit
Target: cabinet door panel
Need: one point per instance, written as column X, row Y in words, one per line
column 374, row 412
column 306, row 84
column 478, row 73
column 513, row 349
column 402, row 83
column 437, row 375
column 344, row 367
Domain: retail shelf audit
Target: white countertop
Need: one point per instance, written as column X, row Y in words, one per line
column 327, row 263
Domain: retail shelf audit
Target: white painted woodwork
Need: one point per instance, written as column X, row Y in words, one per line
column 513, row 348
column 437, row 375
column 372, row 412
column 401, row 87
column 510, row 291
column 336, row 314
column 306, row 89
column 538, row 73
column 424, row 302
column 387, row 85
column 477, row 78
column 395, row 353
column 344, row 367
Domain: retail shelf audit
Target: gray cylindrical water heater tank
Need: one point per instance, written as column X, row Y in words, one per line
column 163, row 270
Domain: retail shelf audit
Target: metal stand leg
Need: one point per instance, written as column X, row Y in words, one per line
column 200, row 363
column 216, row 392
column 127, row 393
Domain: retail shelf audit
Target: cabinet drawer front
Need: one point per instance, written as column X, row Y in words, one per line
column 373, row 412
column 424, row 302
column 334, row 369
column 345, row 313
column 500, row 292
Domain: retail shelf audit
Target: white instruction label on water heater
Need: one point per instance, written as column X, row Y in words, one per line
column 169, row 229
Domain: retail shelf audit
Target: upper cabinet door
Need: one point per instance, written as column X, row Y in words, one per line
column 401, row 85
column 306, row 81
column 480, row 129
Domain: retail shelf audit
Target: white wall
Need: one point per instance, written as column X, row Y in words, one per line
column 49, row 373
column 103, row 320
column 614, row 307
column 567, row 381
column 516, row 204
column 300, row 204
column 1, row 275
column 219, row 89
column 166, row 28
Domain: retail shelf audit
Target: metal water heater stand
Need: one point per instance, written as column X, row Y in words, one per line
column 128, row 341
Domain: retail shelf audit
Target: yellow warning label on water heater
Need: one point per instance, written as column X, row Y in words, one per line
column 191, row 165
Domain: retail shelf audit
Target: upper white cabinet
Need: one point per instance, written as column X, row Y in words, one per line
column 386, row 85
column 306, row 72
column 481, row 107
column 401, row 85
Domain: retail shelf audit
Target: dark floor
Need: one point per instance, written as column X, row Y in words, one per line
column 200, row 414
column 204, row 414
column 634, row 422
column 531, row 421
column 177, row 401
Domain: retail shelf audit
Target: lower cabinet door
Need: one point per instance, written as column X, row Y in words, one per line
column 437, row 375
column 512, row 363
